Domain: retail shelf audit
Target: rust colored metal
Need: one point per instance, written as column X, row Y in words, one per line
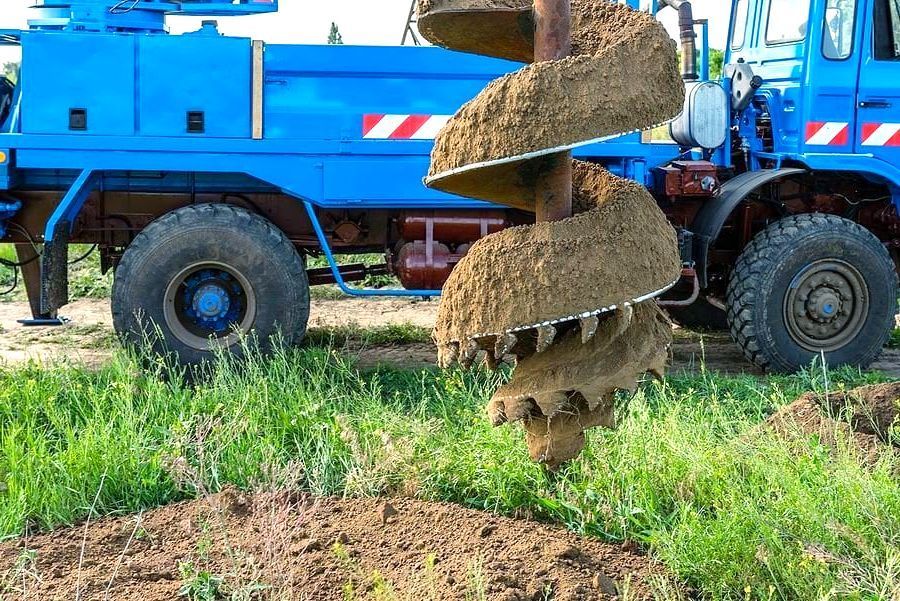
column 690, row 178
column 422, row 266
column 553, row 41
column 351, row 273
column 552, row 29
column 455, row 227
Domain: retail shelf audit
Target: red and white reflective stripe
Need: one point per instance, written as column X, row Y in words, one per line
column 403, row 127
column 881, row 134
column 828, row 133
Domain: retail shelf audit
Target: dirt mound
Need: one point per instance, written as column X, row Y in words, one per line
column 618, row 251
column 560, row 104
column 282, row 546
column 558, row 395
column 864, row 417
column 873, row 410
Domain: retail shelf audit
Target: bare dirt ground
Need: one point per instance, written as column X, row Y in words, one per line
column 236, row 546
column 89, row 337
column 872, row 410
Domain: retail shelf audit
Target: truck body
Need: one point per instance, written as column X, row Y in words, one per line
column 120, row 135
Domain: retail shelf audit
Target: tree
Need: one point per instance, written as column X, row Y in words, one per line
column 716, row 63
column 10, row 71
column 334, row 36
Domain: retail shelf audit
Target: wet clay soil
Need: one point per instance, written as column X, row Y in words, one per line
column 286, row 546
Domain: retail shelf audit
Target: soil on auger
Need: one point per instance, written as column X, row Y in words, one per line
column 619, row 247
column 542, row 392
column 590, row 95
column 567, row 298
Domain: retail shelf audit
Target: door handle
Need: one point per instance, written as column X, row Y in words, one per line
column 874, row 104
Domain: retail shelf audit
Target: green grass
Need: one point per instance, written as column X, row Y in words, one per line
column 358, row 336
column 737, row 516
column 894, row 341
column 332, row 292
column 85, row 279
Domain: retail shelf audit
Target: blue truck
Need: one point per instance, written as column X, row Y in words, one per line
column 207, row 169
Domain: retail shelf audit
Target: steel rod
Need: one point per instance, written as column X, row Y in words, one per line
column 553, row 41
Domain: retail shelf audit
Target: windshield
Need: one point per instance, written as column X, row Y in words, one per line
column 739, row 25
column 787, row 21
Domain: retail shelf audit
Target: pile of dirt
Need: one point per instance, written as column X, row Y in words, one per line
column 280, row 544
column 864, row 417
column 619, row 250
column 560, row 394
column 561, row 103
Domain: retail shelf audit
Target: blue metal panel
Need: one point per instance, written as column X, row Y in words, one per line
column 322, row 92
column 101, row 81
column 206, row 73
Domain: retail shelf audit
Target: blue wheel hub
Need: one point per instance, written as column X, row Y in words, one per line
column 212, row 300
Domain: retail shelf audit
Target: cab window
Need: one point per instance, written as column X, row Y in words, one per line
column 739, row 24
column 787, row 22
column 837, row 39
column 887, row 29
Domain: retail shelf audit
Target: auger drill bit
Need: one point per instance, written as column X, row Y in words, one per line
column 567, row 297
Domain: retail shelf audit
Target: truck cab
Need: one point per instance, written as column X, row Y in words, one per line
column 800, row 241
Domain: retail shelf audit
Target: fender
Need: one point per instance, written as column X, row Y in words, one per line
column 711, row 219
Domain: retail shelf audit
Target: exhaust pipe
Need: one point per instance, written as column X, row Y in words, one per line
column 688, row 37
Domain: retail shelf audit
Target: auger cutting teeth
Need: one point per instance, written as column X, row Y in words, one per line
column 626, row 316
column 557, row 395
column 545, row 337
column 557, row 294
column 491, row 361
column 448, row 354
column 504, row 345
column 589, row 327
column 469, row 353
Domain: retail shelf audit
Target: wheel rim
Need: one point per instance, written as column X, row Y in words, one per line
column 826, row 305
column 209, row 303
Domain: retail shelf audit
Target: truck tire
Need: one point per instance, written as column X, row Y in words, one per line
column 203, row 276
column 702, row 315
column 810, row 284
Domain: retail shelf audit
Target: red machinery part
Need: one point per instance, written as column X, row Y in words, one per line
column 690, row 178
column 451, row 227
column 423, row 267
column 424, row 260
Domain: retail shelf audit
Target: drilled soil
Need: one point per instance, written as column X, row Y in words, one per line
column 863, row 417
column 558, row 395
column 505, row 28
column 561, row 103
column 286, row 546
column 620, row 250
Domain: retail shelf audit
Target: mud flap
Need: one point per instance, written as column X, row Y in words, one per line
column 55, row 271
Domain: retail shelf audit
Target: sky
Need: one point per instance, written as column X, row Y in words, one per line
column 363, row 22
